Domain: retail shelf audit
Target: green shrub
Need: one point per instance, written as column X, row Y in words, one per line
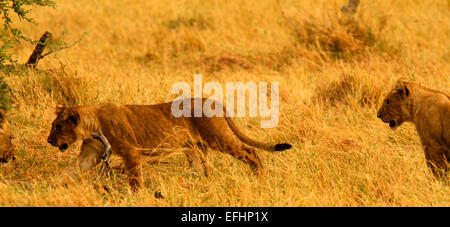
column 5, row 95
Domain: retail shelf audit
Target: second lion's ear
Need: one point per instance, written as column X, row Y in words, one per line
column 402, row 88
column 74, row 116
column 59, row 109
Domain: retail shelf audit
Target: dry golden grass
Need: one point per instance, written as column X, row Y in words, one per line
column 333, row 71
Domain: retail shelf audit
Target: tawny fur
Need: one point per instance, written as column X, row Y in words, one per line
column 136, row 130
column 429, row 110
column 6, row 146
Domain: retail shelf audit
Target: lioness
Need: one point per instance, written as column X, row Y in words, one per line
column 136, row 130
column 429, row 110
column 6, row 146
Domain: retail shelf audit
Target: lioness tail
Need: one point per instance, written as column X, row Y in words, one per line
column 253, row 143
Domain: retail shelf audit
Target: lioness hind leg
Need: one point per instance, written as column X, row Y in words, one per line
column 239, row 150
column 250, row 157
column 195, row 154
column 216, row 132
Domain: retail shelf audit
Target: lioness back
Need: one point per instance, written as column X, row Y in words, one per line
column 144, row 126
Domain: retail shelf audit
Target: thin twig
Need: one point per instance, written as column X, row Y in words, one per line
column 64, row 47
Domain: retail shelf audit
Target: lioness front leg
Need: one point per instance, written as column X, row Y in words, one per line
column 437, row 161
column 133, row 168
column 90, row 155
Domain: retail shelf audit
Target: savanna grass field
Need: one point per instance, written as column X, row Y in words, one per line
column 333, row 72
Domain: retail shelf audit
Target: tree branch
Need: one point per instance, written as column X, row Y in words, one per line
column 37, row 53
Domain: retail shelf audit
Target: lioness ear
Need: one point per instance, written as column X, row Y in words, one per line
column 74, row 116
column 59, row 109
column 402, row 88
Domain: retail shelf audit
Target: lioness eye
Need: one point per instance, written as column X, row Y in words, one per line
column 388, row 101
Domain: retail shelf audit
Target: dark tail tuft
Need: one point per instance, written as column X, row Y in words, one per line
column 282, row 146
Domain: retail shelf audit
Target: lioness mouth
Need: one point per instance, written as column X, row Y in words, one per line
column 3, row 160
column 63, row 147
column 392, row 124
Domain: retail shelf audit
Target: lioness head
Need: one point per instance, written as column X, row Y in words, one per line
column 63, row 133
column 395, row 107
column 6, row 146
